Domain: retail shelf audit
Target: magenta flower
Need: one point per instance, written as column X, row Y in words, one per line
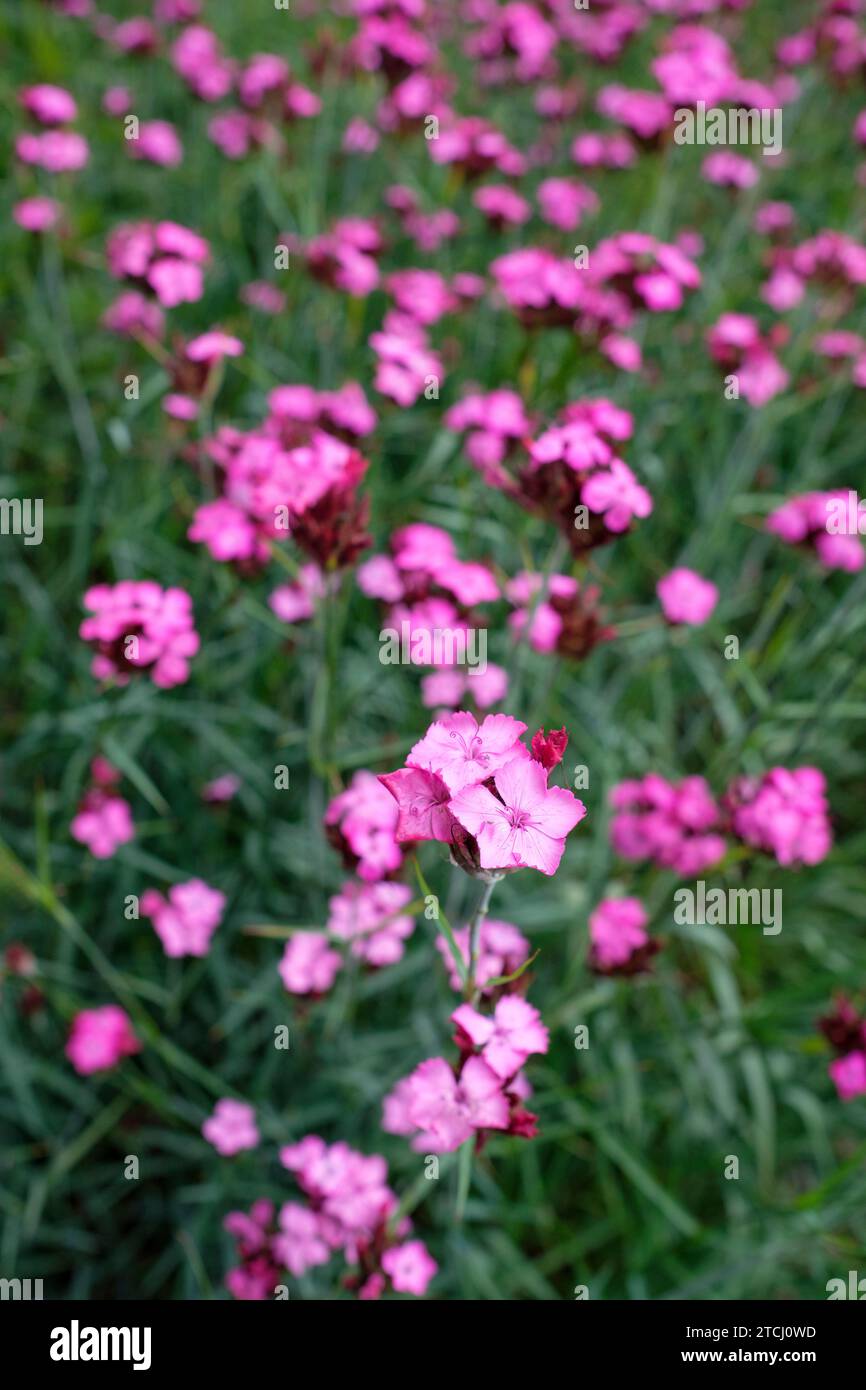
column 619, row 943
column 100, row 1038
column 186, row 920
column 231, row 1127
column 686, row 597
column 371, row 916
column 103, row 823
column 525, row 826
column 449, row 1111
column 849, row 1075
column 502, row 949
column 616, row 493
column 362, row 823
column 462, row 752
column 410, row 1267
column 37, row 214
column 507, row 1039
column 422, row 800
column 309, row 964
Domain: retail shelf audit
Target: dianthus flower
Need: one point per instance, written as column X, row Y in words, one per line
column 186, row 920
column 784, row 813
column 100, row 1038
column 807, row 521
column 361, row 823
column 618, row 942
column 677, row 825
column 232, row 1127
column 373, row 919
column 138, row 626
column 103, row 820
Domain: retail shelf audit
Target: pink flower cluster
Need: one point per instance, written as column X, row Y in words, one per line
column 625, row 274
column 803, row 521
column 139, row 626
column 676, row 824
column 430, row 592
column 557, row 613
column 572, row 475
column 442, row 1106
column 285, row 478
column 681, row 826
column 737, row 344
column 479, row 789
column 163, row 258
column 56, row 150
column 186, row 920
column 103, row 820
column 784, row 813
column 371, row 918
column 348, row 1207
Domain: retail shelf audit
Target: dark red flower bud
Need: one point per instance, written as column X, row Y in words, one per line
column 548, row 749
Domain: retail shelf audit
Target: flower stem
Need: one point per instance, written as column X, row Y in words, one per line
column 475, row 931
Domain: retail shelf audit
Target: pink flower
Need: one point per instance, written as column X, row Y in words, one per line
column 300, row 1246
column 231, row 1127
column 371, row 916
column 132, row 314
column 674, row 824
column 527, row 827
column 296, row 602
column 616, row 933
column 462, row 752
column 212, row 346
column 175, row 281
column 37, row 214
column 58, row 151
column 501, row 205
column 136, row 625
column 731, row 170
column 103, row 822
column 507, row 1039
column 616, row 494
column 222, row 788
column 362, row 823
column 100, row 1038
column 502, row 950
column 225, row 530
column 686, row 598
column 449, row 1111
column 452, row 688
column 562, row 202
column 157, row 142
column 186, row 920
column 410, row 1267
column 785, row 813
column 50, row 105
column 309, row 964
column 422, row 803
column 849, row 1075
